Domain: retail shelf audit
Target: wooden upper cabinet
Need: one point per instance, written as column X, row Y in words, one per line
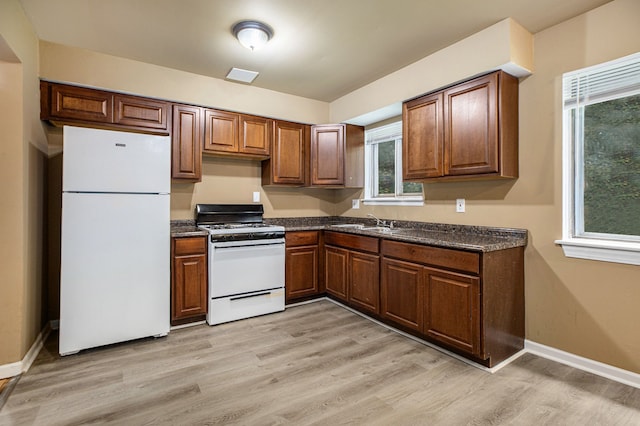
column 287, row 164
column 228, row 133
column 255, row 135
column 467, row 131
column 327, row 154
column 470, row 117
column 186, row 139
column 65, row 104
column 221, row 131
column 337, row 155
column 135, row 111
column 423, row 138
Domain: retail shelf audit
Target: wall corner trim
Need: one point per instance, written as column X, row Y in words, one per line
column 601, row 369
column 16, row 368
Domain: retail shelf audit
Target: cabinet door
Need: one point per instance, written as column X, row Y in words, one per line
column 288, row 156
column 220, row 131
column 471, row 127
column 301, row 272
column 335, row 264
column 255, row 135
column 189, row 278
column 402, row 293
column 452, row 309
column 135, row 111
column 327, row 154
column 186, row 158
column 79, row 103
column 422, row 139
column 364, row 281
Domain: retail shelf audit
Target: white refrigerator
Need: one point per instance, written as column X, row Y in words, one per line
column 115, row 273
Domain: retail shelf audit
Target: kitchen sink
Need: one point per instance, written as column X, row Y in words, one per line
column 349, row 225
column 378, row 229
column 385, row 229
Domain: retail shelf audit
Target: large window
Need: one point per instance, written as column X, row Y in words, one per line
column 602, row 162
column 383, row 168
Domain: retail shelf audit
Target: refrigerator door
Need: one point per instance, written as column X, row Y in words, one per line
column 109, row 161
column 115, row 279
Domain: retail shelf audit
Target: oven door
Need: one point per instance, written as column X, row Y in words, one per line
column 241, row 267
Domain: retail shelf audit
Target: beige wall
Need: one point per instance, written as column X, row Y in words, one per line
column 585, row 307
column 22, row 166
column 234, row 181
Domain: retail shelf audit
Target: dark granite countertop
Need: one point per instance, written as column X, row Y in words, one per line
column 461, row 237
column 186, row 228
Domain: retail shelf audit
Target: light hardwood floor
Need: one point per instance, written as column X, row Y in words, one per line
column 312, row 364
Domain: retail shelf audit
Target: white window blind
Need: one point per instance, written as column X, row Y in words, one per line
column 602, row 82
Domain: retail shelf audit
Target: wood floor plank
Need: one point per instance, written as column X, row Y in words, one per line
column 317, row 364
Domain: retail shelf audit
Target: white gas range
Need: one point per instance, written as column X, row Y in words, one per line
column 246, row 262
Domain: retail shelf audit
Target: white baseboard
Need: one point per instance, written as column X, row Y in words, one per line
column 585, row 364
column 19, row 367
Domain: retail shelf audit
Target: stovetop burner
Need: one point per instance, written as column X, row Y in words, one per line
column 234, row 225
column 235, row 222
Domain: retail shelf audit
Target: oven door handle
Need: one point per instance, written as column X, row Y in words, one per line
column 247, row 296
column 217, row 247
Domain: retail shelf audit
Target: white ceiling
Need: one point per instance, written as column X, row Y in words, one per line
column 321, row 49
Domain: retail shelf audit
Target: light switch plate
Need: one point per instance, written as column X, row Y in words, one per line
column 256, row 197
column 460, row 205
column 355, row 204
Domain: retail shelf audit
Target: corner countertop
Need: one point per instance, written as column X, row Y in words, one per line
column 460, row 237
column 186, row 228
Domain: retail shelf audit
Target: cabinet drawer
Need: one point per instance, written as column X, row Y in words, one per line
column 351, row 241
column 190, row 245
column 140, row 112
column 76, row 103
column 427, row 255
column 301, row 238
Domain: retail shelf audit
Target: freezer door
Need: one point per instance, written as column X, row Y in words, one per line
column 115, row 279
column 109, row 161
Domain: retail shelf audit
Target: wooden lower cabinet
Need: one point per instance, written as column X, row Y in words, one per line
column 476, row 308
column 401, row 293
column 364, row 281
column 188, row 279
column 352, row 270
column 335, row 272
column 302, row 260
column 452, row 309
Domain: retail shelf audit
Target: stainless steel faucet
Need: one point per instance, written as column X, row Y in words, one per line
column 378, row 221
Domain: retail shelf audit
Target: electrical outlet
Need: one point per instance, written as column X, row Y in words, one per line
column 355, row 204
column 460, row 205
column 256, row 197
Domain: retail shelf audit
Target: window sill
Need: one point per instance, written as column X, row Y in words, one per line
column 393, row 202
column 606, row 251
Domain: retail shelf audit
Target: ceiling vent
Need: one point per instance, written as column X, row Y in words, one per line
column 242, row 76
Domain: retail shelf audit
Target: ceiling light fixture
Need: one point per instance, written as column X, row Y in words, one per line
column 252, row 34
